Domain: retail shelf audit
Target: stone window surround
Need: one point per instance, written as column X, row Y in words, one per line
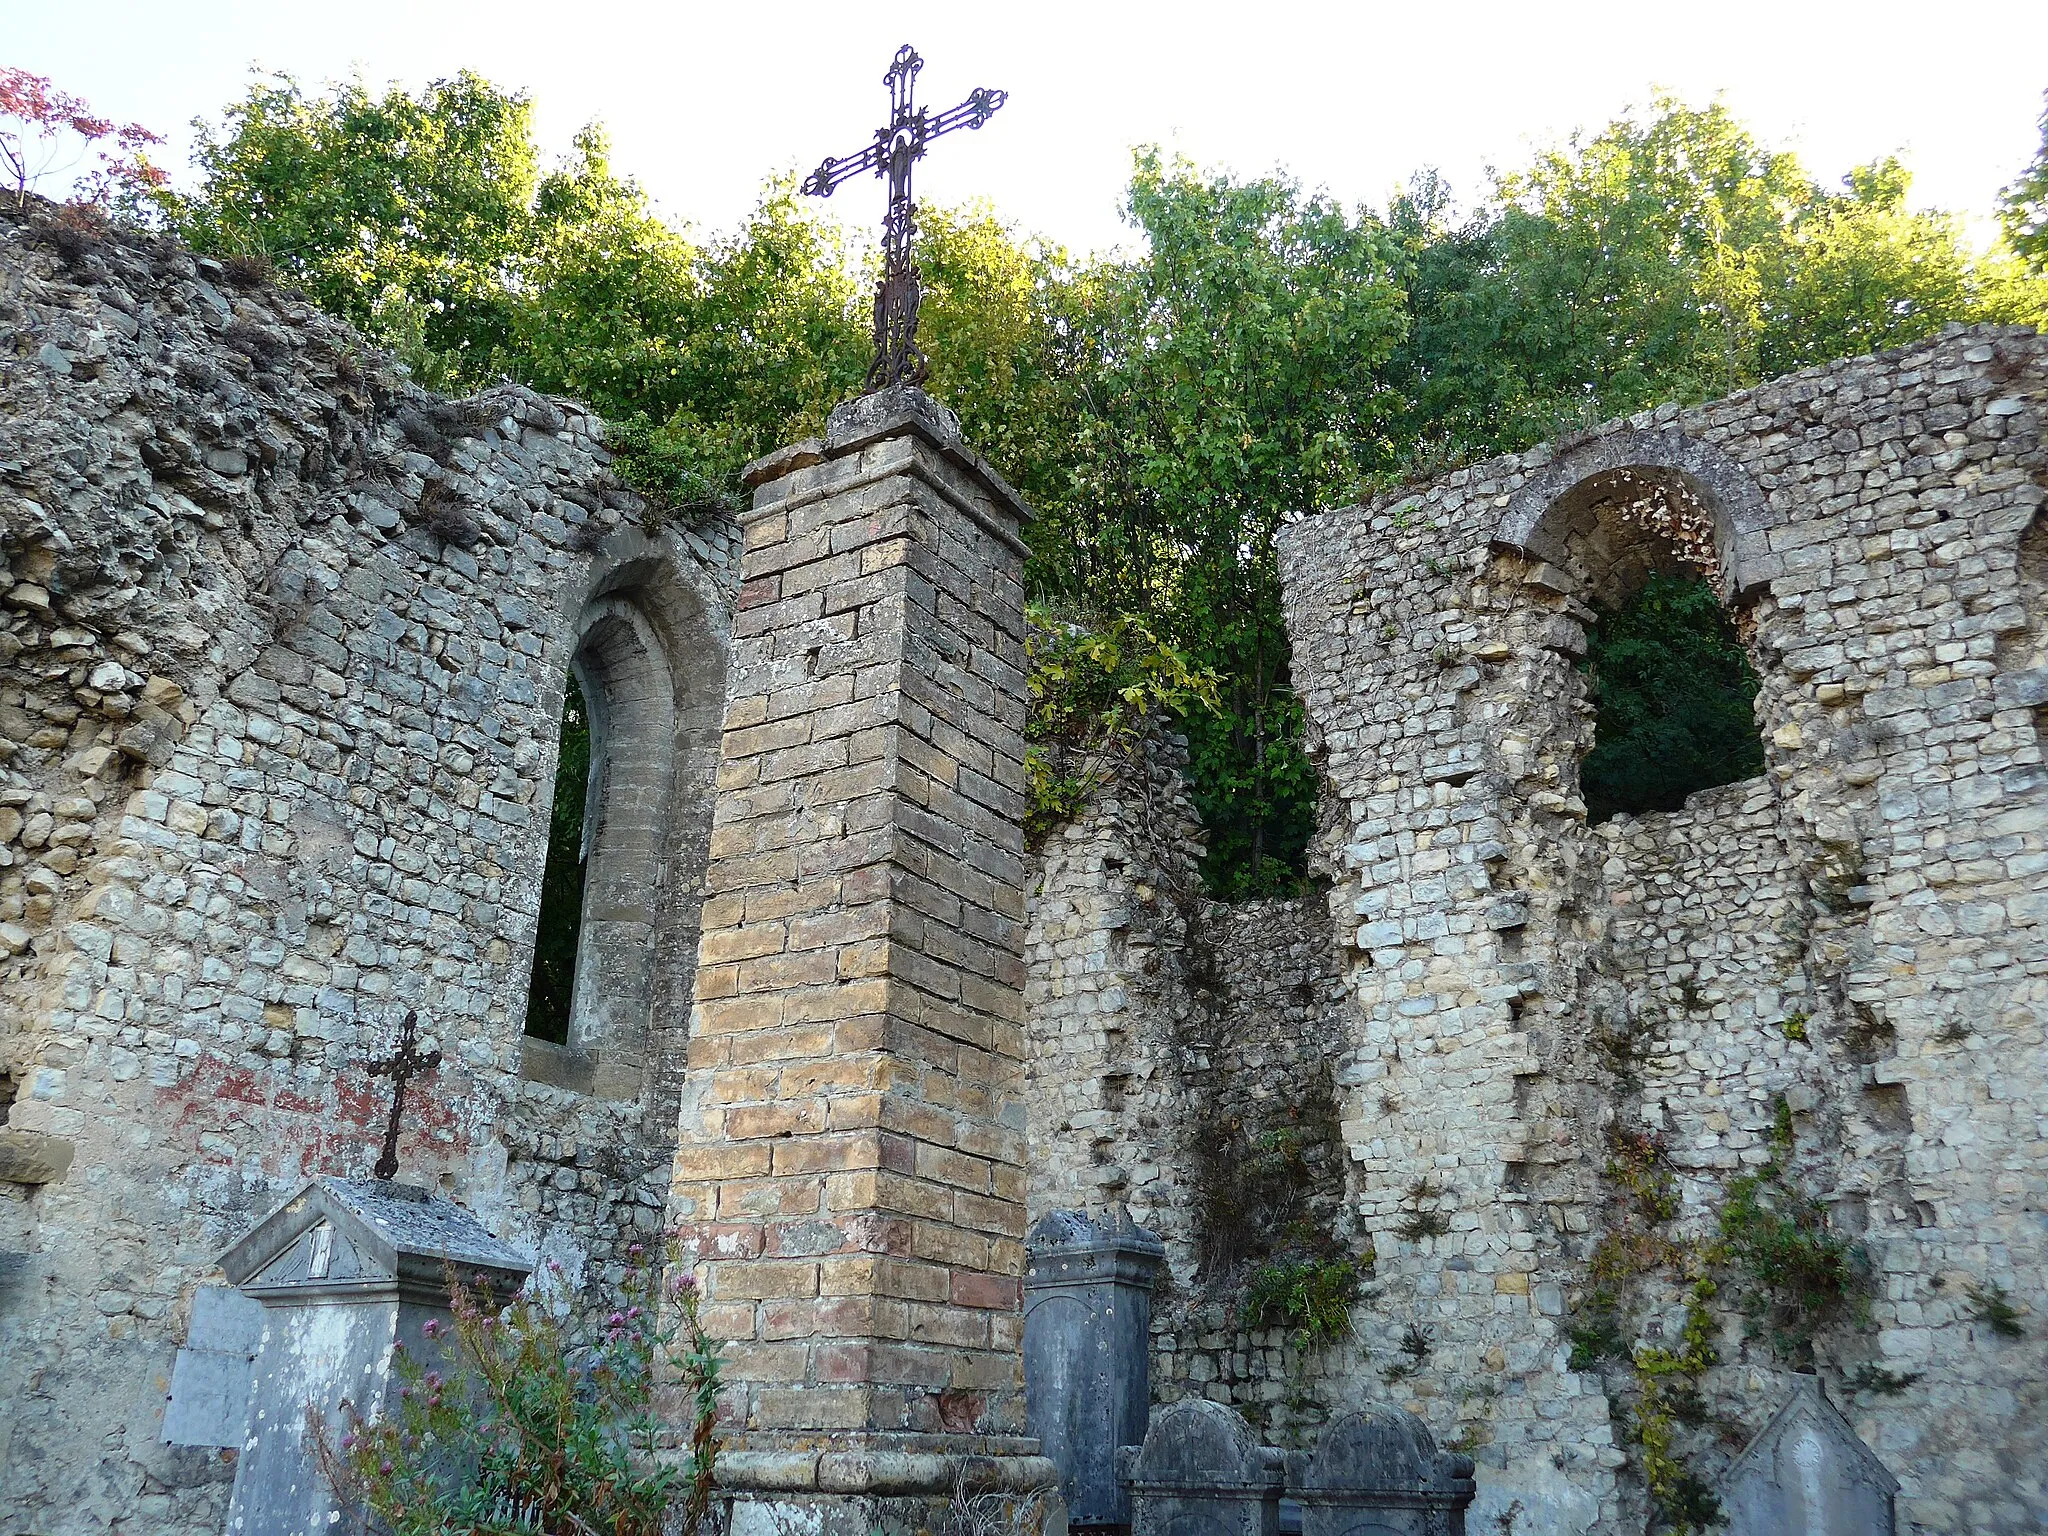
column 649, row 657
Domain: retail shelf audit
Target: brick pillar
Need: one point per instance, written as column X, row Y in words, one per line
column 850, row 1169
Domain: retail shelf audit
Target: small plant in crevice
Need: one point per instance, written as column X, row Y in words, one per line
column 1875, row 1378
column 1793, row 1025
column 1798, row 1276
column 1416, row 1342
column 1991, row 1305
column 1954, row 1032
column 1638, row 1166
column 1423, row 1219
column 1596, row 1332
column 1311, row 1298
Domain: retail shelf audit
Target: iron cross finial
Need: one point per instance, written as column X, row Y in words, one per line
column 895, row 147
column 404, row 1064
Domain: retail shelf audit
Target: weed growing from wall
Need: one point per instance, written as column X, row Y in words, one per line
column 1311, row 1298
column 1796, row 1276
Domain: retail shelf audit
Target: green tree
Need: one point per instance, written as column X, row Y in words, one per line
column 1666, row 257
column 1238, row 380
column 400, row 213
column 2023, row 206
column 1674, row 693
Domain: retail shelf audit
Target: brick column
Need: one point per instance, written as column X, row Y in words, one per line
column 850, row 1169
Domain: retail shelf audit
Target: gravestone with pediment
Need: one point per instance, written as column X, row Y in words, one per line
column 346, row 1272
column 1202, row 1472
column 1088, row 1352
column 1379, row 1473
column 1808, row 1474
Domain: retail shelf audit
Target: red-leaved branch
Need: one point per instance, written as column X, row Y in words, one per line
column 41, row 127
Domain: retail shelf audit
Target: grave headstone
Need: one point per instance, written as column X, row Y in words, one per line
column 1808, row 1474
column 1379, row 1473
column 1088, row 1352
column 1202, row 1472
column 346, row 1271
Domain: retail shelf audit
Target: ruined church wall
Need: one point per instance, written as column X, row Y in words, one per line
column 1855, row 935
column 1523, row 984
column 1171, row 1034
column 283, row 643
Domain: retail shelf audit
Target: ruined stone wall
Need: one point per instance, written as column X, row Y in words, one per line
column 1545, row 1030
column 1856, row 935
column 283, row 644
column 1174, row 1041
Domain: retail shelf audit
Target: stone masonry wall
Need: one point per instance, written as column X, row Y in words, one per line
column 1173, row 1040
column 282, row 655
column 1856, row 935
column 1854, row 940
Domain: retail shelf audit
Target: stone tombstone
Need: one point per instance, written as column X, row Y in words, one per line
column 346, row 1270
column 1808, row 1474
column 1379, row 1473
column 1088, row 1352
column 1202, row 1472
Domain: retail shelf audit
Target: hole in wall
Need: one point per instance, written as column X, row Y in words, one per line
column 1674, row 699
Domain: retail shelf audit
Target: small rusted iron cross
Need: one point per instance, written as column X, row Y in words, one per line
column 401, row 1066
column 910, row 129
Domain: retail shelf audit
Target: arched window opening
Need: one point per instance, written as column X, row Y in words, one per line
column 1674, row 696
column 1666, row 669
column 550, row 994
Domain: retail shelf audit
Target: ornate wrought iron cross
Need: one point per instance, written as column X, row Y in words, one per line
column 910, row 129
column 401, row 1066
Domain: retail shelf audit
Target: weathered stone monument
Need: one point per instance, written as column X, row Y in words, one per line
column 1379, row 1473
column 1807, row 1473
column 347, row 1271
column 1088, row 1352
column 1202, row 1472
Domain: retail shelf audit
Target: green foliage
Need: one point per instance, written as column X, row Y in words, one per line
column 1674, row 690
column 1596, row 1331
column 1669, row 256
column 552, row 988
column 1424, row 1218
column 1311, row 1298
column 1234, row 379
column 1268, row 1191
column 1798, row 1276
column 1095, row 685
column 2023, row 206
column 399, row 213
column 1992, row 1306
column 1875, row 1378
column 532, row 1429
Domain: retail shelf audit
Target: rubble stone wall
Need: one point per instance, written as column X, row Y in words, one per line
column 283, row 643
column 1849, row 948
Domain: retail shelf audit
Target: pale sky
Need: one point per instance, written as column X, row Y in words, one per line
column 704, row 101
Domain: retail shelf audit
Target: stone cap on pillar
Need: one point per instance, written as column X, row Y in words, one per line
column 902, row 410
column 367, row 1239
column 1068, row 1248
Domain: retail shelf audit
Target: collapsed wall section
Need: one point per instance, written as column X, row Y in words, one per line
column 283, row 643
